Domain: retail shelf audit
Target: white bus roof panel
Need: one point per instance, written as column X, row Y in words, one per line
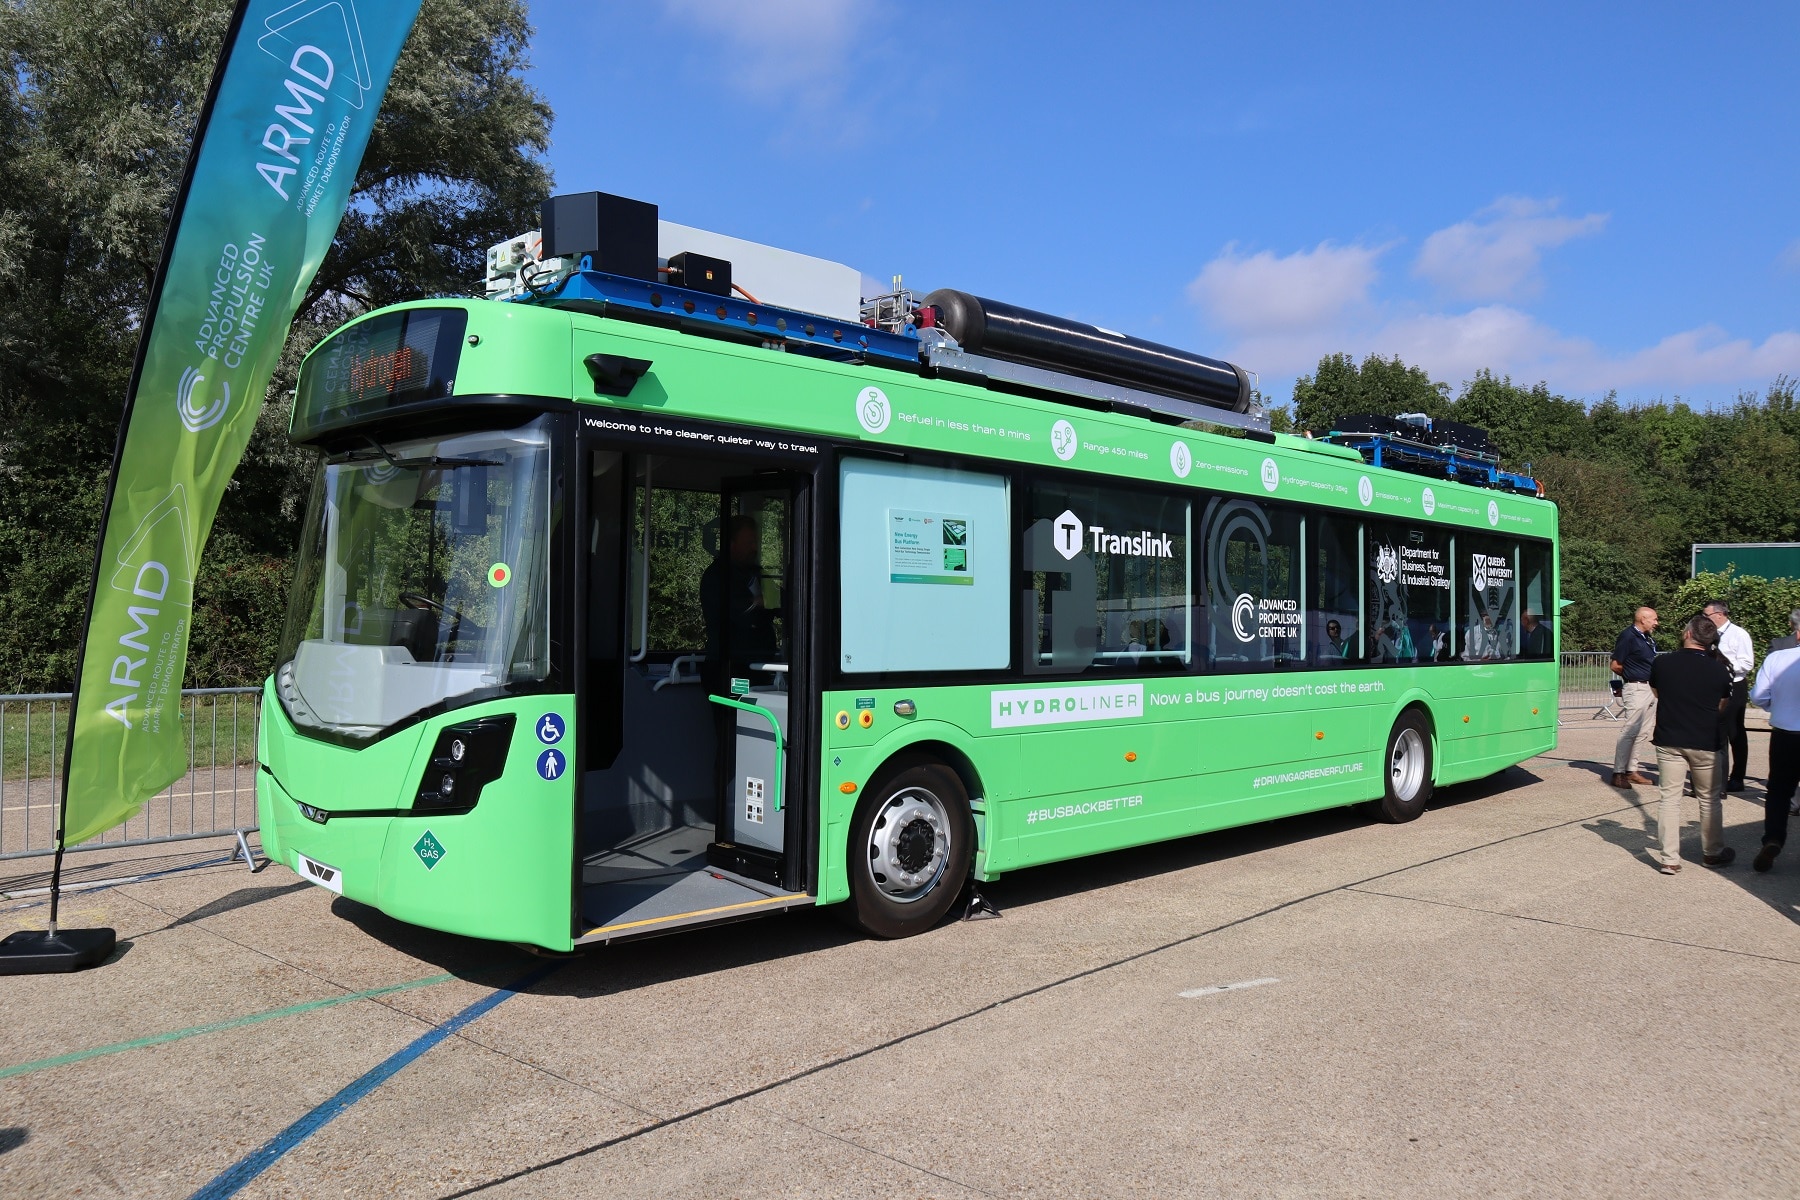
column 780, row 278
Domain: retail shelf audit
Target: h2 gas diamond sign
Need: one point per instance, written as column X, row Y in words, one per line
column 429, row 850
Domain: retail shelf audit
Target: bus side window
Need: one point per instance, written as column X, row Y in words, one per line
column 1106, row 581
column 1334, row 626
column 1253, row 585
column 1487, row 574
column 925, row 568
column 1537, row 602
column 1061, row 598
column 1406, row 597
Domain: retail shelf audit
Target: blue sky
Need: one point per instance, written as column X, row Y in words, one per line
column 1597, row 198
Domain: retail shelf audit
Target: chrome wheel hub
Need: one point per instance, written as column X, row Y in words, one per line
column 1406, row 765
column 909, row 845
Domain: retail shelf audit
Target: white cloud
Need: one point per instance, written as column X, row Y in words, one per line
column 1454, row 347
column 1697, row 357
column 790, row 49
column 1495, row 255
column 1282, row 313
column 1497, row 337
column 1261, row 295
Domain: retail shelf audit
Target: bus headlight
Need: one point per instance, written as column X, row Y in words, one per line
column 466, row 756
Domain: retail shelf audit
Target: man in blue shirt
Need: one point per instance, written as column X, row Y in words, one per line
column 1632, row 655
column 1777, row 692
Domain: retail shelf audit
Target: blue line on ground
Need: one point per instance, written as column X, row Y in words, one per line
column 232, row 1180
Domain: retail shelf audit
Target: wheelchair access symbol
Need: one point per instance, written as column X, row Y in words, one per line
column 551, row 764
column 550, row 729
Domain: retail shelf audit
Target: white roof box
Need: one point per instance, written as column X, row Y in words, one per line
column 780, row 278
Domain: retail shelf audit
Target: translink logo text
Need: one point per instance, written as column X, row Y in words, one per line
column 1060, row 706
column 1143, row 543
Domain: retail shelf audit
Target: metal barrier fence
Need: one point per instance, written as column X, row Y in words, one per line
column 217, row 794
column 1585, row 688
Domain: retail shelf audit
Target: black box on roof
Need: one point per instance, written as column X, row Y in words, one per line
column 1464, row 437
column 1370, row 423
column 619, row 233
column 701, row 273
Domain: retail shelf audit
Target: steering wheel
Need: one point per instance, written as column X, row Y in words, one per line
column 420, row 600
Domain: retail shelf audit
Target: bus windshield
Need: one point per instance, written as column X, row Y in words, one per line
column 422, row 581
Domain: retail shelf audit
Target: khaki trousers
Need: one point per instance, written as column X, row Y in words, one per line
column 1672, row 765
column 1640, row 721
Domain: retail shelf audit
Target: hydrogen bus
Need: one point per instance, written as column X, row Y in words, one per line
column 628, row 601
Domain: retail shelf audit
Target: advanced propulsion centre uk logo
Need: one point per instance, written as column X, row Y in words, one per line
column 1243, row 618
column 197, row 415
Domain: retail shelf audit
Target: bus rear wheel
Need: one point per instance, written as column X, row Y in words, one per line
column 1408, row 764
column 910, row 848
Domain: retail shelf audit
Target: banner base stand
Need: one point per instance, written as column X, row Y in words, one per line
column 40, row 952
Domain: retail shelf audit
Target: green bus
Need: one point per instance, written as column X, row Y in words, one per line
column 626, row 604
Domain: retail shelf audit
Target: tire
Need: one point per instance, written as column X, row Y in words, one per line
column 911, row 844
column 1407, row 767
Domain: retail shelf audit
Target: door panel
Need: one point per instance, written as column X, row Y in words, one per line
column 754, row 659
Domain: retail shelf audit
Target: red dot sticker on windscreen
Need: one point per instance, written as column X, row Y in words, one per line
column 499, row 575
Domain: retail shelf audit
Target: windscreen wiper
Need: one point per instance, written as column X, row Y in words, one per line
column 382, row 452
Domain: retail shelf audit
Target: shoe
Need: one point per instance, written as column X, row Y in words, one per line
column 1734, row 785
column 1722, row 858
column 1643, row 779
column 1794, row 809
column 1669, row 868
column 1621, row 781
column 1765, row 858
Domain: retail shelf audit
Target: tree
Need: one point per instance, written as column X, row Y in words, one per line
column 96, row 113
column 1760, row 605
column 1605, row 587
column 1526, row 423
column 1637, row 485
column 1380, row 387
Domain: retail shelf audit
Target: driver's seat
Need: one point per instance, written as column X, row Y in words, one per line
column 417, row 630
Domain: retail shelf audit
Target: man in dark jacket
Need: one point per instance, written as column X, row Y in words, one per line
column 1692, row 688
column 1632, row 655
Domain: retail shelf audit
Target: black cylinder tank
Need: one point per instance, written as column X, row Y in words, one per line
column 1036, row 339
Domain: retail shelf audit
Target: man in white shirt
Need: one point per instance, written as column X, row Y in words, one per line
column 1739, row 654
column 1777, row 692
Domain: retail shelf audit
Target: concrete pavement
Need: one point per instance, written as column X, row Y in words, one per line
column 1502, row 998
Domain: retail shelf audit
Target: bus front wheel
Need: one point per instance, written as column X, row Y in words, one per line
column 1408, row 765
column 910, row 848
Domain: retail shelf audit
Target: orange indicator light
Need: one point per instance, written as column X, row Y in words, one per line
column 1465, row 720
column 1131, row 756
column 1320, row 735
column 846, row 787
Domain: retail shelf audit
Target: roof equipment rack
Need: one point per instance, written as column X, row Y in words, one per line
column 1422, row 445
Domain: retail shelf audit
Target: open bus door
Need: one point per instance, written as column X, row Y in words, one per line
column 694, row 728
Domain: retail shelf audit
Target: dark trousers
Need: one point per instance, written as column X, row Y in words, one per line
column 1784, row 776
column 1731, row 734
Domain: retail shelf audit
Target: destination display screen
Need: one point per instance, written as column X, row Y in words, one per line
column 393, row 359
